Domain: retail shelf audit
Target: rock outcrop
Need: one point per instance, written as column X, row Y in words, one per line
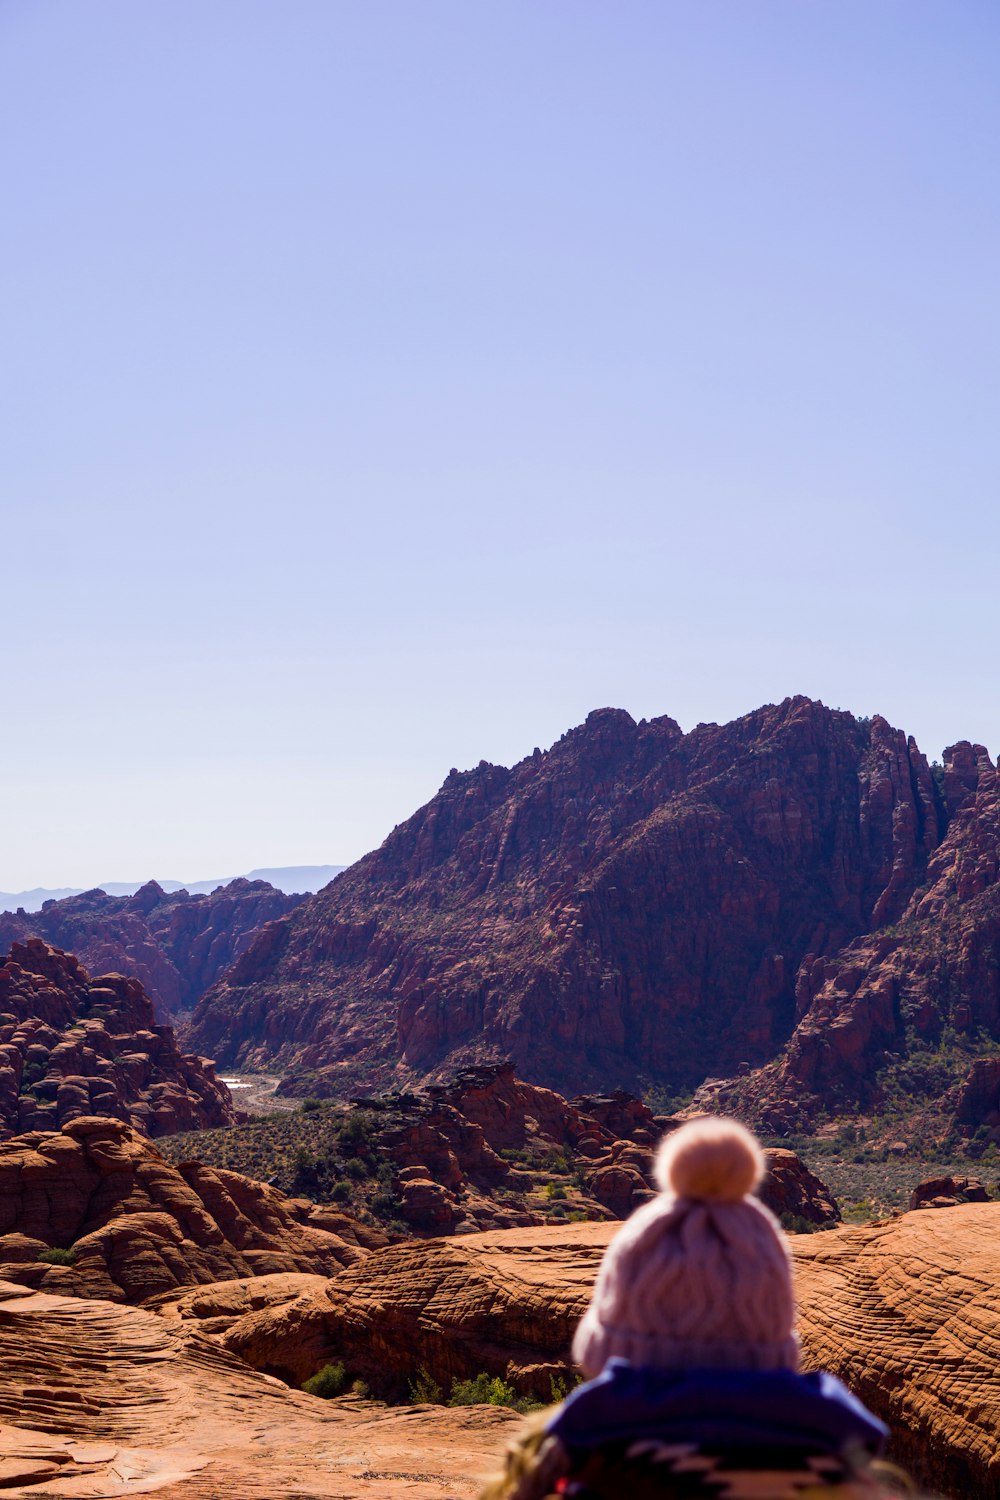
column 634, row 904
column 485, row 1151
column 175, row 944
column 71, row 1045
column 93, row 1210
column 99, row 1401
column 948, row 1192
column 906, row 1312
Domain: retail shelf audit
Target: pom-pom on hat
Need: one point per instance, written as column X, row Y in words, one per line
column 701, row 1277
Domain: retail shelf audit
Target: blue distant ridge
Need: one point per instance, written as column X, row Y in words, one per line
column 292, row 879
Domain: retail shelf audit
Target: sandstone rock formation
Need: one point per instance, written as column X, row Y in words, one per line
column 175, row 944
column 485, row 1151
column 947, row 1192
column 892, row 997
column 634, row 904
column 906, row 1312
column 133, row 1226
column 71, row 1045
column 100, row 1401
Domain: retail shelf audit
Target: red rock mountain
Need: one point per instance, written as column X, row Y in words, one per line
column 176, row 944
column 635, row 904
column 72, row 1046
column 922, row 993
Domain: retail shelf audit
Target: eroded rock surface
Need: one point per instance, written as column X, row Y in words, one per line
column 135, row 1226
column 892, row 996
column 484, row 1151
column 906, row 1312
column 72, row 1045
column 99, row 1401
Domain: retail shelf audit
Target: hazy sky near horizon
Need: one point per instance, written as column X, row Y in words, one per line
column 386, row 385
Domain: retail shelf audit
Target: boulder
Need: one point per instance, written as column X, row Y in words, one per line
column 947, row 1192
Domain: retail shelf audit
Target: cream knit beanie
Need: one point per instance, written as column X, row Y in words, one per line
column 700, row 1277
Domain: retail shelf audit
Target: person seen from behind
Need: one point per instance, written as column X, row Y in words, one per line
column 692, row 1360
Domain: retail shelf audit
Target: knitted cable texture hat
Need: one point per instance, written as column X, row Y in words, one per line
column 701, row 1277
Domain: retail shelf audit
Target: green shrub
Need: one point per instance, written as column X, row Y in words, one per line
column 424, row 1389
column 355, row 1168
column 482, row 1390
column 309, row 1106
column 385, row 1205
column 327, row 1382
column 341, row 1192
column 57, row 1257
column 355, row 1133
column 554, row 1190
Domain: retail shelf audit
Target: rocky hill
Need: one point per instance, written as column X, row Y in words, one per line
column 71, row 1045
column 176, row 944
column 484, row 1151
column 636, row 904
column 95, row 1211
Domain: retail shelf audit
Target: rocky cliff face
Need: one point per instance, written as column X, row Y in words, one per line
column 176, row 945
column 71, row 1045
column 635, row 904
column 900, row 1015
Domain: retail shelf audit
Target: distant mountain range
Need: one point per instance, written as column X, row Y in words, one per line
column 292, row 879
column 176, row 943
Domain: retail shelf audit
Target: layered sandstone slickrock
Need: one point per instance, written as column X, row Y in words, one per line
column 136, row 1226
column 906, row 1312
column 636, row 903
column 101, row 1401
column 71, row 1045
column 175, row 944
column 506, row 1301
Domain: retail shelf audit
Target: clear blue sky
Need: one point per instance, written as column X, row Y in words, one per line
column 387, row 384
